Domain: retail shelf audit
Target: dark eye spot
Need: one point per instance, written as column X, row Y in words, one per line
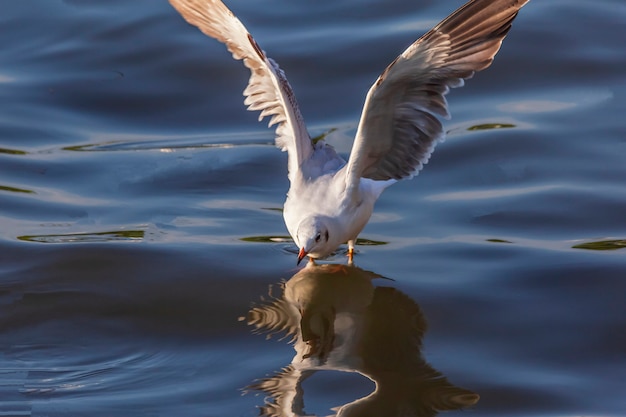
column 327, row 235
column 317, row 238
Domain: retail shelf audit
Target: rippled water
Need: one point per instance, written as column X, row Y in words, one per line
column 142, row 245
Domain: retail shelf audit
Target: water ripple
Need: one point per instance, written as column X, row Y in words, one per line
column 93, row 237
column 165, row 145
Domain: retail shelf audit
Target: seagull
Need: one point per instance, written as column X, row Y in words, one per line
column 330, row 200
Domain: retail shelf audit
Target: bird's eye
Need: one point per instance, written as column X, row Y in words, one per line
column 317, row 238
column 327, row 235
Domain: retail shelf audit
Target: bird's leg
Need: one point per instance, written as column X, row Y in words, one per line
column 350, row 252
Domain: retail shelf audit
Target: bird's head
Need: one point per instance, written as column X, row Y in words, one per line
column 313, row 238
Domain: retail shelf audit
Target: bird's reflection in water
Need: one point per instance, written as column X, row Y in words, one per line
column 339, row 320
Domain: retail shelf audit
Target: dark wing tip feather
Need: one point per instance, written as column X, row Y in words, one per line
column 476, row 30
column 256, row 47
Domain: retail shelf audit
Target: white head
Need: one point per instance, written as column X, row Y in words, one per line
column 313, row 237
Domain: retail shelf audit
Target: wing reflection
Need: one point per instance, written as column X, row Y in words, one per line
column 338, row 320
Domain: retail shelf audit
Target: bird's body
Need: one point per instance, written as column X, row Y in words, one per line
column 343, row 210
column 330, row 200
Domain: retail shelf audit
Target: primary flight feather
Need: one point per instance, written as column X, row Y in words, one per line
column 330, row 200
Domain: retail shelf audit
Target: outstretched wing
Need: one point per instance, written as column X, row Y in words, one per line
column 268, row 90
column 399, row 126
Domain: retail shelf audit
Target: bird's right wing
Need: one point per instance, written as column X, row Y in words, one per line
column 399, row 126
column 268, row 90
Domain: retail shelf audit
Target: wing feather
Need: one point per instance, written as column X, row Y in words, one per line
column 399, row 128
column 268, row 90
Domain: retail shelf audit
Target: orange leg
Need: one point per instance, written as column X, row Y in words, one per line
column 350, row 252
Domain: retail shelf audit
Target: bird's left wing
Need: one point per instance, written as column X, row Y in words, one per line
column 268, row 90
column 399, row 126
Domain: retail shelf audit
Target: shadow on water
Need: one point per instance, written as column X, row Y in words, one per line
column 290, row 247
column 338, row 320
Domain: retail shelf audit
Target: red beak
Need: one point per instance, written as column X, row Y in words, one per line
column 301, row 255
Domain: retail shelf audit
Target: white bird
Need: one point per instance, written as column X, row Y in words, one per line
column 330, row 200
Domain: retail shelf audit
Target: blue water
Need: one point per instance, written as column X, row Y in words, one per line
column 140, row 222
